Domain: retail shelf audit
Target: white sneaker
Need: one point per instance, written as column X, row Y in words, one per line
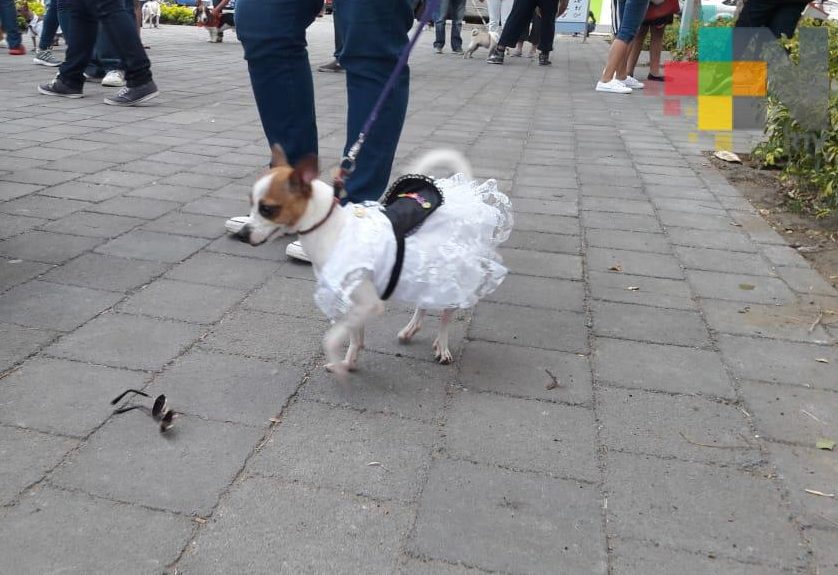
column 4, row 44
column 234, row 225
column 295, row 250
column 614, row 87
column 114, row 79
column 633, row 83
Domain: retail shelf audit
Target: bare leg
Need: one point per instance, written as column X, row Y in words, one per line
column 635, row 48
column 441, row 351
column 616, row 63
column 655, row 49
column 412, row 327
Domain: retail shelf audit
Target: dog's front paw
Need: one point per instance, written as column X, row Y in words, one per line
column 442, row 354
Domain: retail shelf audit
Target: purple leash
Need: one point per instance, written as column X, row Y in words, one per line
column 347, row 163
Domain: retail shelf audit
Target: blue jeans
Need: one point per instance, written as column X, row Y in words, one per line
column 50, row 26
column 520, row 17
column 374, row 32
column 632, row 13
column 457, row 10
column 105, row 58
column 8, row 18
column 80, row 20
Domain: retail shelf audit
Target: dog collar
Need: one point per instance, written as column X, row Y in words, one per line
column 321, row 222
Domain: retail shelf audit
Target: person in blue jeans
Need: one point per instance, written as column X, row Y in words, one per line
column 615, row 78
column 374, row 32
column 80, row 20
column 457, row 10
column 44, row 55
column 8, row 19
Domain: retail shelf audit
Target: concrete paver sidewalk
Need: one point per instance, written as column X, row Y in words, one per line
column 691, row 378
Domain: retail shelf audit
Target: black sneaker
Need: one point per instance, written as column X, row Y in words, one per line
column 332, row 66
column 496, row 57
column 58, row 88
column 131, row 96
column 458, row 51
column 544, row 59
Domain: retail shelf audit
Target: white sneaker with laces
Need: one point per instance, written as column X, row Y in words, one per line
column 114, row 79
column 614, row 87
column 295, row 250
column 633, row 83
column 234, row 225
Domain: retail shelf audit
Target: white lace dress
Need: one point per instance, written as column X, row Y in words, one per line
column 451, row 261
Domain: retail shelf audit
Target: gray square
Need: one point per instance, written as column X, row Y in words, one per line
column 183, row 224
column 535, row 291
column 749, row 112
column 106, row 272
column 13, row 225
column 93, row 225
column 635, row 558
column 47, row 247
column 223, row 270
column 287, row 296
column 18, row 342
column 792, row 413
column 39, row 206
column 145, row 208
column 25, row 456
column 643, row 323
column 16, row 271
column 542, row 264
column 781, row 361
column 53, row 306
column 546, row 329
column 195, row 303
column 153, row 246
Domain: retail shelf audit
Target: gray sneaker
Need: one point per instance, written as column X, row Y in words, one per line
column 46, row 58
column 131, row 96
column 332, row 66
column 58, row 88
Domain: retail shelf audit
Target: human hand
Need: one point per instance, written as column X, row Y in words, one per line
column 562, row 7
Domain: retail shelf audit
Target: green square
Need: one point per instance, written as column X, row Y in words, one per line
column 715, row 44
column 715, row 78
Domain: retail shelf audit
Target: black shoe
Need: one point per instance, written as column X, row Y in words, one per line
column 332, row 66
column 131, row 96
column 496, row 57
column 544, row 59
column 458, row 51
column 59, row 88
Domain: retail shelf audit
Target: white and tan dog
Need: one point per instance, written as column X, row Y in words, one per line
column 291, row 199
column 482, row 38
column 151, row 13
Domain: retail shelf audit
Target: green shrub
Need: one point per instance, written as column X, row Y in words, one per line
column 172, row 14
column 34, row 6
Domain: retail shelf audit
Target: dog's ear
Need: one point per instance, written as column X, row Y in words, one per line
column 278, row 156
column 305, row 171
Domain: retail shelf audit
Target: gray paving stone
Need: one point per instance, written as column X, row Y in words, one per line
column 40, row 206
column 540, row 292
column 542, row 242
column 824, row 542
column 223, row 270
column 46, row 247
column 617, row 205
column 228, row 388
column 13, row 225
column 500, row 520
column 422, row 567
column 626, row 240
column 196, row 303
column 218, row 207
column 12, row 190
column 656, row 292
column 679, row 427
column 598, row 190
column 17, row 342
column 183, row 224
column 287, row 296
column 145, row 208
column 105, row 272
column 119, row 178
column 626, row 222
column 634, row 558
column 525, row 372
column 307, row 529
column 780, row 361
column 268, row 336
column 347, row 442
column 154, row 246
column 738, row 287
column 151, row 168
column 546, row 329
column 732, row 241
column 418, row 392
column 132, row 342
column 539, row 206
column 758, row 229
column 381, row 335
column 699, row 508
column 522, row 434
column 40, row 176
column 167, row 192
column 791, row 321
column 273, row 250
column 680, row 219
column 25, row 456
column 705, row 207
column 784, row 256
column 635, row 263
column 801, row 468
column 17, row 271
column 806, row 280
column 542, row 264
column 196, row 460
column 792, row 413
column 52, row 306
column 643, row 323
column 724, row 261
column 660, row 367
column 85, row 191
column 54, row 531
column 546, row 223
column 93, row 225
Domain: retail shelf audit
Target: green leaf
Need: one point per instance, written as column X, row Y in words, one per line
column 823, row 443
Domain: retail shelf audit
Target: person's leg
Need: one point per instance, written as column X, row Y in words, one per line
column 439, row 25
column 785, row 18
column 518, row 19
column 635, row 48
column 755, row 14
column 632, row 17
column 121, row 29
column 273, row 35
column 50, row 26
column 505, row 9
column 375, row 33
column 548, row 25
column 81, row 29
column 655, row 49
column 494, row 7
column 458, row 14
column 8, row 18
column 338, row 35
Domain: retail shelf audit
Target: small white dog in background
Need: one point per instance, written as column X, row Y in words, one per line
column 482, row 38
column 151, row 13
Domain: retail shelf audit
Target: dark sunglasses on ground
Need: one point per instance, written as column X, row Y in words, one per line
column 159, row 411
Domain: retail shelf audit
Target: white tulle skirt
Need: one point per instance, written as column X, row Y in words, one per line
column 451, row 261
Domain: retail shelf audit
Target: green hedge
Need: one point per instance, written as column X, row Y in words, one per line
column 172, row 14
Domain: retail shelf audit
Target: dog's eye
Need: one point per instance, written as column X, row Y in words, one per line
column 268, row 212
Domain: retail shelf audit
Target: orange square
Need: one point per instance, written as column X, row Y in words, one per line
column 750, row 78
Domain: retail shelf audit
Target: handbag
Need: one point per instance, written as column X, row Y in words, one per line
column 660, row 10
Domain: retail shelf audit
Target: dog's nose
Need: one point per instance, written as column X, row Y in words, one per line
column 244, row 233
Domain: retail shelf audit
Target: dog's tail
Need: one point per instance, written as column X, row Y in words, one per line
column 442, row 158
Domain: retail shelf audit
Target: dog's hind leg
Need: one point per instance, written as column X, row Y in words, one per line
column 441, row 351
column 412, row 327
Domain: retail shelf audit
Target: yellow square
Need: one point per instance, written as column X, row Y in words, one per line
column 724, row 141
column 715, row 113
column 750, row 78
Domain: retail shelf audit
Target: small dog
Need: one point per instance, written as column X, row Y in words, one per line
column 215, row 26
column 482, row 38
column 151, row 13
column 449, row 262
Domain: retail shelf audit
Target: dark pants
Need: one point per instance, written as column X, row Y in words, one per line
column 457, row 10
column 338, row 36
column 47, row 38
column 778, row 16
column 374, row 32
column 82, row 19
column 520, row 17
column 8, row 19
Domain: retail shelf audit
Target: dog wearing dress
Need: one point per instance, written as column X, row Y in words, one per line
column 363, row 254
